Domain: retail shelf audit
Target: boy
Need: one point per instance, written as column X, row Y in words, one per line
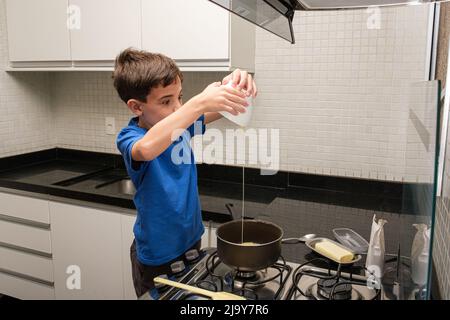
column 169, row 221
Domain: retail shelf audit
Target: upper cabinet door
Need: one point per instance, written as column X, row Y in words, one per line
column 185, row 29
column 37, row 30
column 106, row 27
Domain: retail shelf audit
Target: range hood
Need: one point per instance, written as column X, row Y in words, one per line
column 276, row 15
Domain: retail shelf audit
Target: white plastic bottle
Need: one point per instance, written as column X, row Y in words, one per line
column 420, row 254
column 376, row 252
column 242, row 119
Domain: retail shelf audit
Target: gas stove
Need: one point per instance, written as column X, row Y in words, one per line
column 313, row 283
column 281, row 281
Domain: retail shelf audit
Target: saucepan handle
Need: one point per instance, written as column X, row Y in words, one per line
column 291, row 240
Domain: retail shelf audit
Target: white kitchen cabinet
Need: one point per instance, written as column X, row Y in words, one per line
column 87, row 247
column 127, row 240
column 25, row 223
column 37, row 30
column 87, row 35
column 194, row 29
column 106, row 28
column 197, row 34
column 26, row 267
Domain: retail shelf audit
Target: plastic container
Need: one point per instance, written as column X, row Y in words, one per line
column 420, row 255
column 351, row 240
column 376, row 252
column 242, row 119
column 312, row 245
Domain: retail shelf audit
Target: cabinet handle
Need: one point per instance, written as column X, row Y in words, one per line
column 25, row 222
column 27, row 277
column 26, row 250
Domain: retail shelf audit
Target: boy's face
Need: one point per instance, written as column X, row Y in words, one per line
column 161, row 102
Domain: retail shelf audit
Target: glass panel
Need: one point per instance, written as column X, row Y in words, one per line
column 419, row 194
column 357, row 131
column 318, row 206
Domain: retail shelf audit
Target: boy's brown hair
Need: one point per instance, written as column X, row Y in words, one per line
column 136, row 72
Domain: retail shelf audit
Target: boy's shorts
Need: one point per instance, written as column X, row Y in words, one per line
column 143, row 275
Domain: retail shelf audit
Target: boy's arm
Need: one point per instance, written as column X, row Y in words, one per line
column 212, row 116
column 159, row 137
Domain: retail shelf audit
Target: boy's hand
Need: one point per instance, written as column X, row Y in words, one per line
column 217, row 97
column 243, row 81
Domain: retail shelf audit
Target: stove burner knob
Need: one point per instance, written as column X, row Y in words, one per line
column 160, row 286
column 177, row 267
column 192, row 255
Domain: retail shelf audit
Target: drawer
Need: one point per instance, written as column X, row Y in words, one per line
column 25, row 236
column 24, row 208
column 25, row 289
column 27, row 264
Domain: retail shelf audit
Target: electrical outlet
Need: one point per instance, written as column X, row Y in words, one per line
column 110, row 124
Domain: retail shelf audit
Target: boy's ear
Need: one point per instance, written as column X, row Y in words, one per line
column 135, row 106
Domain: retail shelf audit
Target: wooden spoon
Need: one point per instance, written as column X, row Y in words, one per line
column 213, row 295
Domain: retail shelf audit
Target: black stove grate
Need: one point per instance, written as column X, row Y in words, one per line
column 330, row 286
column 245, row 286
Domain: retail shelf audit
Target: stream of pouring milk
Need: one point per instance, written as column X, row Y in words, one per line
column 243, row 201
column 243, row 125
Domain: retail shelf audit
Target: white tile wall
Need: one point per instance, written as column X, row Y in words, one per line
column 25, row 108
column 337, row 95
column 82, row 101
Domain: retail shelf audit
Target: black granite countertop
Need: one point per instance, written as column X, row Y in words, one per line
column 299, row 204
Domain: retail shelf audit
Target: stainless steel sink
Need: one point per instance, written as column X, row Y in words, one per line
column 124, row 186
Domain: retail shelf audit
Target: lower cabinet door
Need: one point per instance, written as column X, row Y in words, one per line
column 87, row 252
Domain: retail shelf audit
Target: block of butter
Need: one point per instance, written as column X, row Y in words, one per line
column 333, row 251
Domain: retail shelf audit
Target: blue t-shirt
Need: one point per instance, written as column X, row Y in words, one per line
column 169, row 219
